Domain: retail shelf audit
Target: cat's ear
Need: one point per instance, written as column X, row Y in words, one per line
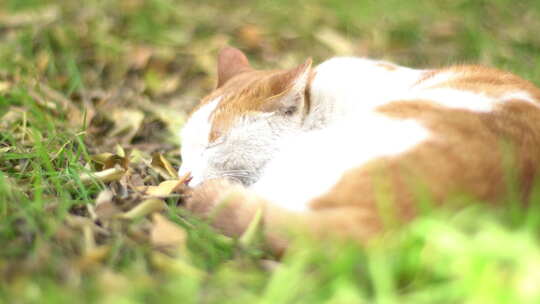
column 231, row 62
column 289, row 89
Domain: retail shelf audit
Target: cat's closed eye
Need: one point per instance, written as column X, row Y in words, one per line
column 290, row 110
column 215, row 143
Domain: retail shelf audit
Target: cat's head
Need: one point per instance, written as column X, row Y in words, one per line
column 237, row 128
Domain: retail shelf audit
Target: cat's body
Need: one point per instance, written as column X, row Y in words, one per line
column 323, row 147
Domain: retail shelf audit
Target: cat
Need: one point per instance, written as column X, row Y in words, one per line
column 319, row 148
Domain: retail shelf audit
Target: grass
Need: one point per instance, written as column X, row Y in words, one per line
column 78, row 80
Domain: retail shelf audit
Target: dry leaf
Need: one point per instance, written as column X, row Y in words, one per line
column 270, row 265
column 108, row 175
column 136, row 156
column 111, row 282
column 93, row 257
column 174, row 119
column 170, row 84
column 73, row 113
column 146, row 207
column 120, row 150
column 163, row 166
column 13, row 116
column 102, row 157
column 4, row 86
column 88, row 237
column 139, row 57
column 127, row 122
column 109, row 160
column 165, row 188
column 167, row 235
column 251, row 35
column 104, row 197
column 335, row 41
column 177, row 265
column 105, row 208
column 78, row 221
column 37, row 16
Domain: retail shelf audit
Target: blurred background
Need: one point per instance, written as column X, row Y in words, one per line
column 165, row 50
column 107, row 54
column 82, row 78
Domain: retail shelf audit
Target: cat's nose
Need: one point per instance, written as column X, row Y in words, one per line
column 189, row 180
column 186, row 178
column 190, row 175
column 194, row 181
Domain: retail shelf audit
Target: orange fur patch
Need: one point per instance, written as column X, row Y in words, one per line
column 469, row 152
column 248, row 93
column 479, row 79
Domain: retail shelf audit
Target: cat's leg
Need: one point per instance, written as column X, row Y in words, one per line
column 231, row 208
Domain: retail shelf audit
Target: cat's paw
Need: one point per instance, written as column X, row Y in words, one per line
column 228, row 206
column 203, row 199
column 231, row 208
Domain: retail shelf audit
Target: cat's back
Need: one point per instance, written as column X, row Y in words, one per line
column 361, row 80
column 457, row 130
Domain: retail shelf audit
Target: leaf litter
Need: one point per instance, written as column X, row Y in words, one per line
column 134, row 162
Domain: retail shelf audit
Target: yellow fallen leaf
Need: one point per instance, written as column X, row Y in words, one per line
column 82, row 223
column 44, row 15
column 101, row 157
column 93, row 256
column 88, row 237
column 165, row 188
column 270, row 265
column 73, row 112
column 176, row 265
column 159, row 162
column 139, row 56
column 109, row 160
column 126, row 121
column 4, row 86
column 105, row 208
column 335, row 41
column 174, row 119
column 137, row 156
column 146, row 207
column 13, row 117
column 251, row 35
column 167, row 235
column 112, row 282
column 107, row 175
column 120, row 150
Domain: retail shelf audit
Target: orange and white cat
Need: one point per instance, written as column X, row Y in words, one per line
column 316, row 147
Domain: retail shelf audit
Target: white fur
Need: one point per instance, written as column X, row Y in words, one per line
column 346, row 85
column 466, row 100
column 459, row 99
column 295, row 160
column 455, row 99
column 519, row 95
column 311, row 164
column 194, row 140
column 436, row 79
